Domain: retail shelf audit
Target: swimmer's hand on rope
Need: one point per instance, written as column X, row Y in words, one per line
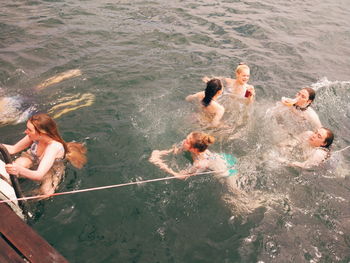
column 156, row 158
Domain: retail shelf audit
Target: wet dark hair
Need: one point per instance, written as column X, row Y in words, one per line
column 213, row 86
column 329, row 139
column 312, row 93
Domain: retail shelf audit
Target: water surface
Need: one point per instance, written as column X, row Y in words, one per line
column 140, row 59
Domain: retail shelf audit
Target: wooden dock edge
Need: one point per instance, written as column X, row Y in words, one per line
column 20, row 243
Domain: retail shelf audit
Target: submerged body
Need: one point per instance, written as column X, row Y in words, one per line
column 17, row 109
column 300, row 107
column 59, row 78
column 211, row 114
column 314, row 146
column 14, row 110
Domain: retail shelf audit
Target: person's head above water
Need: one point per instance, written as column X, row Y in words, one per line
column 42, row 124
column 305, row 97
column 214, row 88
column 323, row 137
column 242, row 73
column 197, row 142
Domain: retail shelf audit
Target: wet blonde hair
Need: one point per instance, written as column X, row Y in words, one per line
column 74, row 152
column 241, row 67
column 201, row 141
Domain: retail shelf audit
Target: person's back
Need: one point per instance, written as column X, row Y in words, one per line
column 212, row 110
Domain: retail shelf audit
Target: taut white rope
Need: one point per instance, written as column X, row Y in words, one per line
column 342, row 149
column 104, row 187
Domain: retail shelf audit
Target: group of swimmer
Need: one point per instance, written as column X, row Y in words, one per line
column 315, row 145
column 47, row 151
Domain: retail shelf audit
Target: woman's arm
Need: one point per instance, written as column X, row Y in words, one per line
column 296, row 140
column 205, row 79
column 50, row 154
column 315, row 159
column 157, row 160
column 19, row 146
column 198, row 96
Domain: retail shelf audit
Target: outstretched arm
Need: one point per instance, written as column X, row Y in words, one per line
column 225, row 81
column 315, row 159
column 156, row 158
column 19, row 146
column 196, row 96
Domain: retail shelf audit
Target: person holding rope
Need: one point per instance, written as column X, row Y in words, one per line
column 44, row 160
column 197, row 144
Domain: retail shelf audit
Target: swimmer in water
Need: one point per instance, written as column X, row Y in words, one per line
column 300, row 106
column 212, row 110
column 58, row 78
column 15, row 109
column 315, row 147
column 197, row 144
column 239, row 87
column 46, row 154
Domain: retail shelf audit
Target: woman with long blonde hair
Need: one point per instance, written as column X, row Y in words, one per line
column 44, row 160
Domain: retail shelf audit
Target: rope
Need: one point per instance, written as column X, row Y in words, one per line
column 104, row 187
column 342, row 149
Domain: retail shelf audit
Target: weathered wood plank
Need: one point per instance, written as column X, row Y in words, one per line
column 25, row 239
column 8, row 254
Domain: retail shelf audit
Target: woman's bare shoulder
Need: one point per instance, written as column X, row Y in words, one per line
column 55, row 146
column 199, row 95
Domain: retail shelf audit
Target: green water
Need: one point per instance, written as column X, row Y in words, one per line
column 140, row 59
